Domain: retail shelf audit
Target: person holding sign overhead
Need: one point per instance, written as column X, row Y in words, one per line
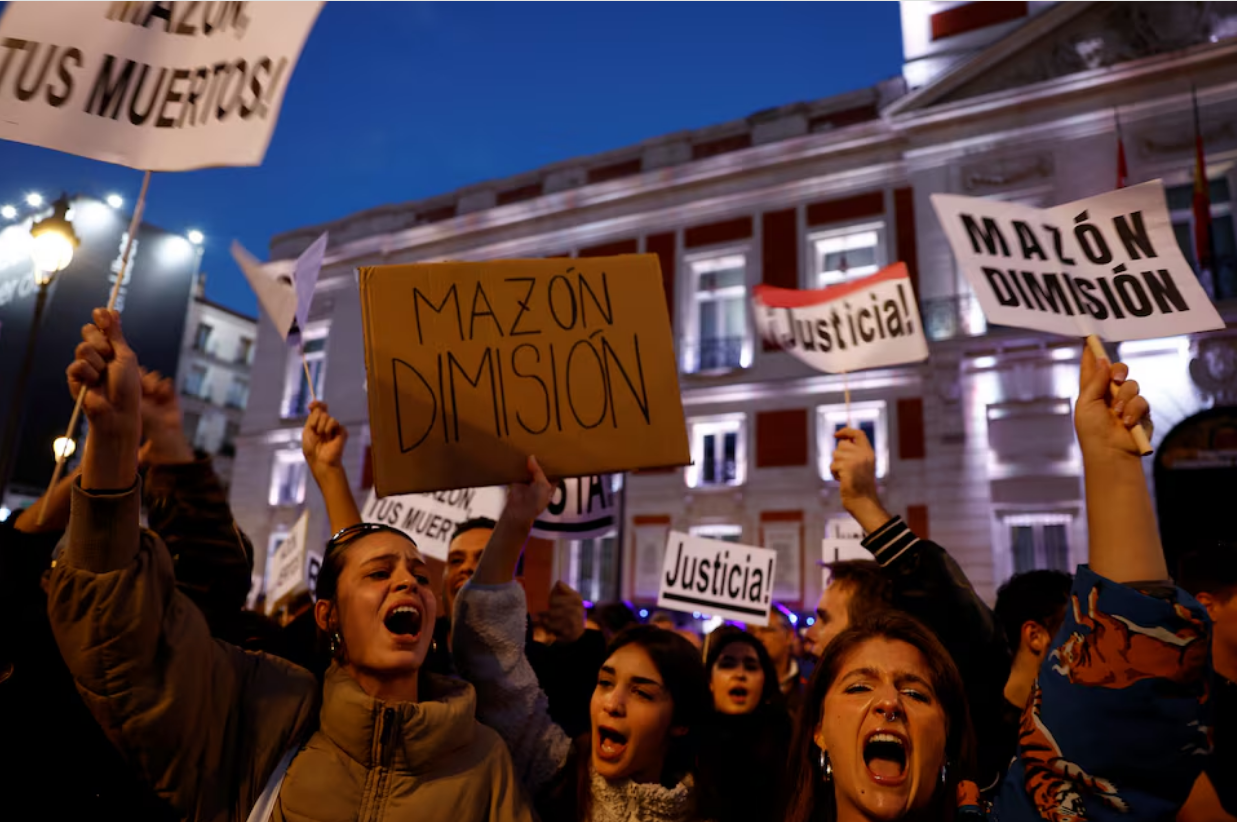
column 639, row 759
column 1115, row 725
column 228, row 735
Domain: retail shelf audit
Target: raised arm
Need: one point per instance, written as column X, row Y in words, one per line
column 1116, row 725
column 323, row 442
column 488, row 642
column 188, row 508
column 201, row 721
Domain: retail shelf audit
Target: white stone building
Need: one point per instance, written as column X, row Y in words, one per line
column 213, row 377
column 1007, row 100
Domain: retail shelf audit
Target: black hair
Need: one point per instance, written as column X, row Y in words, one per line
column 613, row 617
column 1210, row 570
column 812, row 798
column 728, row 635
column 472, row 525
column 1032, row 596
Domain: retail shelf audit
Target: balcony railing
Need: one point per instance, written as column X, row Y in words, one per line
column 716, row 354
column 945, row 318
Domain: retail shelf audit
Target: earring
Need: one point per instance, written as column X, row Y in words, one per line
column 826, row 767
column 945, row 772
column 337, row 642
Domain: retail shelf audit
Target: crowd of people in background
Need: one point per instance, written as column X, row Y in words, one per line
column 134, row 684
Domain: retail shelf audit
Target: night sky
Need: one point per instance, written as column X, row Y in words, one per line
column 393, row 102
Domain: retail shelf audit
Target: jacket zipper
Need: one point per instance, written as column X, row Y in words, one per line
column 380, row 767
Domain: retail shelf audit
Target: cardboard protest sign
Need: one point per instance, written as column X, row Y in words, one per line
column 156, row 86
column 472, row 367
column 581, row 508
column 285, row 298
column 430, row 519
column 1107, row 265
column 287, row 574
column 867, row 323
column 720, row 578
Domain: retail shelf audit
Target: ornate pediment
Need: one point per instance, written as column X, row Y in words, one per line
column 1104, row 35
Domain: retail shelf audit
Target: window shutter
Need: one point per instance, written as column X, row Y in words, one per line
column 781, row 438
column 663, row 246
column 911, row 444
column 917, row 520
column 907, row 247
column 725, row 231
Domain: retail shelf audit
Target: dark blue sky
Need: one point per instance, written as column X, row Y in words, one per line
column 398, row 101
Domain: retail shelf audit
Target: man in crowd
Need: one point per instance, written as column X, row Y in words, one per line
column 1031, row 609
column 778, row 637
column 856, row 587
column 1210, row 574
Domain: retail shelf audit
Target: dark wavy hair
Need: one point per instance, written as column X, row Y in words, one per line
column 811, row 797
column 728, row 635
column 684, row 676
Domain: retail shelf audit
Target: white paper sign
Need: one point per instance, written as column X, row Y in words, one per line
column 157, row 86
column 430, row 519
column 719, row 578
column 841, row 549
column 289, row 566
column 1107, row 265
column 285, row 298
column 581, row 508
column 867, row 323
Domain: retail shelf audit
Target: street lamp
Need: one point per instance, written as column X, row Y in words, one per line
column 8, row 212
column 51, row 252
column 63, row 447
column 195, row 236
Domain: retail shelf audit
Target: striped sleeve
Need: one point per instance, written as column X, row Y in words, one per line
column 890, row 541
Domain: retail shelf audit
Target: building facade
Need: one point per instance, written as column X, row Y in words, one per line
column 213, row 377
column 1016, row 101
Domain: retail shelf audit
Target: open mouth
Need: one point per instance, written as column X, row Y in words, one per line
column 610, row 743
column 885, row 756
column 404, row 620
column 738, row 693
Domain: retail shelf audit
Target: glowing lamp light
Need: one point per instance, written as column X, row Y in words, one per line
column 64, row 447
column 34, row 200
column 54, row 240
column 4, row 513
column 794, row 619
column 8, row 212
column 811, row 621
column 195, row 236
column 115, row 200
column 644, row 613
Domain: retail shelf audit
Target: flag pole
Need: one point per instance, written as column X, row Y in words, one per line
column 1137, row 432
column 62, row 454
column 846, row 396
column 313, row 394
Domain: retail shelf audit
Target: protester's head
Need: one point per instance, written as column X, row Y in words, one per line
column 856, row 587
column 467, row 544
column 742, row 676
column 884, row 716
column 664, row 620
column 612, row 618
column 1030, row 608
column 778, row 637
column 651, row 695
column 1210, row 574
column 375, row 604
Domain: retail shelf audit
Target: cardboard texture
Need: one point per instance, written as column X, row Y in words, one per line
column 474, row 366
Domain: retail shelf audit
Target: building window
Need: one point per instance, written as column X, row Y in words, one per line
column 244, row 351
column 718, row 322
column 288, row 478
column 1222, row 282
column 841, row 255
column 718, row 452
column 195, row 382
column 1039, row 542
column 592, row 567
column 201, row 338
column 231, row 430
column 297, row 396
column 723, row 532
column 869, row 417
column 238, row 393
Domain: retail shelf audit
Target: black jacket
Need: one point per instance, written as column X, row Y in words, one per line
column 930, row 586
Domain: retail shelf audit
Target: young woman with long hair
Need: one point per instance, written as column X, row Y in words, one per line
column 214, row 728
column 638, row 760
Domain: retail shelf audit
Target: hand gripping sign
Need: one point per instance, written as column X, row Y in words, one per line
column 867, row 323
column 1107, row 265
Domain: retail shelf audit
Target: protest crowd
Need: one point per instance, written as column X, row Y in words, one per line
column 390, row 694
